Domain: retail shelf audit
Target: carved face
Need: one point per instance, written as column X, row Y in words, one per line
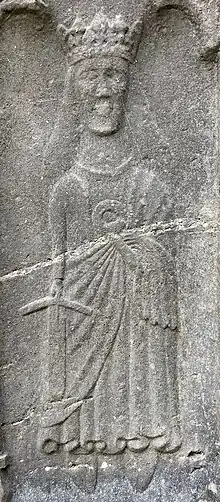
column 101, row 83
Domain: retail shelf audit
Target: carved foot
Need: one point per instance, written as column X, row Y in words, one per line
column 169, row 443
column 48, row 439
column 140, row 467
column 84, row 473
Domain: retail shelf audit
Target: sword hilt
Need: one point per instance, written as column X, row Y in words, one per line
column 49, row 301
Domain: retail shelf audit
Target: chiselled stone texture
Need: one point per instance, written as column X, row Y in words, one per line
column 8, row 7
column 110, row 347
column 206, row 15
column 109, row 365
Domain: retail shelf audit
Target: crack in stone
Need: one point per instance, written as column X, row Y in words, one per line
column 6, row 366
column 26, row 418
column 14, row 424
column 178, row 225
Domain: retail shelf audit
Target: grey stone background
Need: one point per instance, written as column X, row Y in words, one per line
column 173, row 123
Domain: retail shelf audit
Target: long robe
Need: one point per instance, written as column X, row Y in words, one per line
column 112, row 378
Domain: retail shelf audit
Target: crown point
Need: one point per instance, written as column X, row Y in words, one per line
column 63, row 31
column 99, row 22
column 119, row 24
column 78, row 26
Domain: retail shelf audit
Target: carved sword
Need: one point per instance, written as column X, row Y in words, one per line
column 48, row 301
column 54, row 366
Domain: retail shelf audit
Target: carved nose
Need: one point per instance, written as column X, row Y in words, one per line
column 102, row 90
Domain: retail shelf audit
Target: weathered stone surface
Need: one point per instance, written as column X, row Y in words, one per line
column 109, row 148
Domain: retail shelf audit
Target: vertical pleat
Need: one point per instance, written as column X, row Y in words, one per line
column 158, row 391
column 172, row 375
column 119, row 386
column 139, row 367
column 110, row 394
column 87, row 424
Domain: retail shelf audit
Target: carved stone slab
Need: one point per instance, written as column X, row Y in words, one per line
column 110, row 346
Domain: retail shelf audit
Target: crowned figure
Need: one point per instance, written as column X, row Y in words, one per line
column 109, row 368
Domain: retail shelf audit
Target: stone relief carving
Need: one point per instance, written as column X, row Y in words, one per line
column 206, row 15
column 110, row 384
column 3, row 484
column 18, row 6
column 211, row 493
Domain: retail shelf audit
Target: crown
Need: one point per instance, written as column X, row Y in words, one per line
column 102, row 37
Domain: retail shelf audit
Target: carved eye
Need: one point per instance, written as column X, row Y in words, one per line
column 109, row 72
column 83, row 75
column 92, row 75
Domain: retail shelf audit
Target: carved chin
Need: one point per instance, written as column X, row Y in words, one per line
column 103, row 127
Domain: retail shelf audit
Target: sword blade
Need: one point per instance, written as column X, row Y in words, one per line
column 55, row 360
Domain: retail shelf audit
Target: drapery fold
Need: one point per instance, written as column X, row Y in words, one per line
column 120, row 361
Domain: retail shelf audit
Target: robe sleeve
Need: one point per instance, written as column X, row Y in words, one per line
column 57, row 220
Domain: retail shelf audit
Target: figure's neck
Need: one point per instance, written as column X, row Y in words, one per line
column 103, row 153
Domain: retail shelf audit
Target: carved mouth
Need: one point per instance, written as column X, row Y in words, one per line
column 103, row 107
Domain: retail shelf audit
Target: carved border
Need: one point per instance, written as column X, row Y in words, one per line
column 206, row 15
column 8, row 7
